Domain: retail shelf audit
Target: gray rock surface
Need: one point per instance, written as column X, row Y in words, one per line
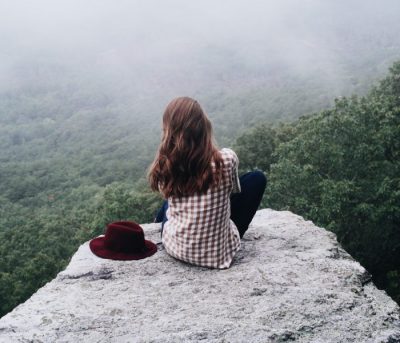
column 291, row 281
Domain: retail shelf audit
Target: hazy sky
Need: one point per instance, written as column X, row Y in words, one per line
column 162, row 41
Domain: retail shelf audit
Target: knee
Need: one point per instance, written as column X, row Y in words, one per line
column 259, row 178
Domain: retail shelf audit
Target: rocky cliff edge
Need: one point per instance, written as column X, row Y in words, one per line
column 291, row 281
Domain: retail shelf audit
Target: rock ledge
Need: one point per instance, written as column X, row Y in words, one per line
column 291, row 281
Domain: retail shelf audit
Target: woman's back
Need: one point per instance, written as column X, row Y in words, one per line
column 199, row 229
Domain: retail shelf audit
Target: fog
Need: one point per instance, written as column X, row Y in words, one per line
column 135, row 50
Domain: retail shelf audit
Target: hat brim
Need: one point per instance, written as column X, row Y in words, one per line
column 98, row 248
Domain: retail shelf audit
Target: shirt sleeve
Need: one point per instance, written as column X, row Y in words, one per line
column 235, row 174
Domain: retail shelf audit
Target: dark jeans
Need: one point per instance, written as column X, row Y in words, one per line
column 244, row 205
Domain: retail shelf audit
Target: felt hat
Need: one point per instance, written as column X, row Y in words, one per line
column 123, row 241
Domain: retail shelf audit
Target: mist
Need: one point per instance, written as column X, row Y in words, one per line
column 144, row 53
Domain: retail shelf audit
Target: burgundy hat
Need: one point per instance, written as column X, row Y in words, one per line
column 123, row 241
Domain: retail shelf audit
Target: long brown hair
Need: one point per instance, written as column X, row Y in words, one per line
column 183, row 163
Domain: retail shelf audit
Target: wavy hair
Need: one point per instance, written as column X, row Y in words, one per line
column 187, row 161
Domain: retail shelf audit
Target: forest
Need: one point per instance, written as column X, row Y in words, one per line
column 311, row 100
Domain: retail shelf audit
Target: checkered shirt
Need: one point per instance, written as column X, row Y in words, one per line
column 199, row 229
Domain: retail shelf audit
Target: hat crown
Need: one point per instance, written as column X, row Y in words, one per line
column 125, row 237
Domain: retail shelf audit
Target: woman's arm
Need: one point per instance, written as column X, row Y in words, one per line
column 235, row 173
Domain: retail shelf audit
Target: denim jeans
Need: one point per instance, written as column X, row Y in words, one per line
column 244, row 205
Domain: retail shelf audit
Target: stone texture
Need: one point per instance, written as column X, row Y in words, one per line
column 291, row 281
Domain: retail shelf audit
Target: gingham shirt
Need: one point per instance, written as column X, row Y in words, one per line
column 199, row 229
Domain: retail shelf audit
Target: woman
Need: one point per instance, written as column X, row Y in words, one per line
column 208, row 208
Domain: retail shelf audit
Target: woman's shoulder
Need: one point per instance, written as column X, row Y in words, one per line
column 228, row 153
